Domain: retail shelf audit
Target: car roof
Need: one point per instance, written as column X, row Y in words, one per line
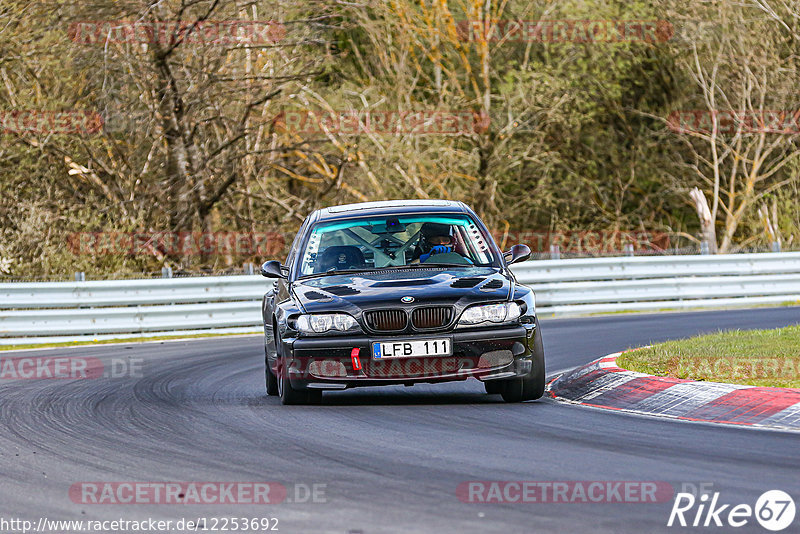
column 390, row 207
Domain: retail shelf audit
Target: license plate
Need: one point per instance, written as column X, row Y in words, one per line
column 412, row 349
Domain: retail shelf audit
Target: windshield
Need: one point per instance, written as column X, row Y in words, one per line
column 390, row 242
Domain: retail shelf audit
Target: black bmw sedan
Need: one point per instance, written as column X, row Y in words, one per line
column 399, row 292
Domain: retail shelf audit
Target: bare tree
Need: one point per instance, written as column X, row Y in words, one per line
column 743, row 138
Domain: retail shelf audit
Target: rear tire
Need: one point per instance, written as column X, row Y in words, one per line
column 531, row 386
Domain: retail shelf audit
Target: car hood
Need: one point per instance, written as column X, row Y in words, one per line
column 381, row 289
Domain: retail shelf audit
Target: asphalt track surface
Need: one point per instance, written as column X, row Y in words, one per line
column 390, row 458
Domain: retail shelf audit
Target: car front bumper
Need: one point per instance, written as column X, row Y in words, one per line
column 487, row 353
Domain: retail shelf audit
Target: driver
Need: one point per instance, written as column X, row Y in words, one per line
column 434, row 238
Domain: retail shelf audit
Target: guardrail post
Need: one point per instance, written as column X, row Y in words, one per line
column 555, row 252
column 80, row 276
column 629, row 249
column 166, row 272
column 776, row 246
column 248, row 268
column 704, row 247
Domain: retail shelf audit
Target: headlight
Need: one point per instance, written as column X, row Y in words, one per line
column 490, row 313
column 318, row 324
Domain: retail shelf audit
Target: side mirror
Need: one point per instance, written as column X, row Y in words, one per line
column 272, row 269
column 517, row 254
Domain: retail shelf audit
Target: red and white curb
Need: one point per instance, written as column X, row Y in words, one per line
column 602, row 384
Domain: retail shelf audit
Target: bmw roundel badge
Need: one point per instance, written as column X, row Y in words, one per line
column 407, row 299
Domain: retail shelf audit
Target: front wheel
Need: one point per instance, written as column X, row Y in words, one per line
column 530, row 386
column 271, row 382
column 493, row 387
column 291, row 396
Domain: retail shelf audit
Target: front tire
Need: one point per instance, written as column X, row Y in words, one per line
column 271, row 382
column 493, row 387
column 294, row 397
column 531, row 386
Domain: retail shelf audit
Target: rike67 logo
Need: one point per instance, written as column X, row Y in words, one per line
column 774, row 510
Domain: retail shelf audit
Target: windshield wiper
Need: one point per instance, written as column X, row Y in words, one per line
column 426, row 264
column 410, row 265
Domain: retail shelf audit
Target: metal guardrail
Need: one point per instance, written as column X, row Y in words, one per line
column 33, row 313
column 130, row 292
column 603, row 285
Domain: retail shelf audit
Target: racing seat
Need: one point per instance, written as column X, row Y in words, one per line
column 340, row 257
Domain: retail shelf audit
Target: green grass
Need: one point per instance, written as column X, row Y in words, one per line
column 752, row 357
column 116, row 340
